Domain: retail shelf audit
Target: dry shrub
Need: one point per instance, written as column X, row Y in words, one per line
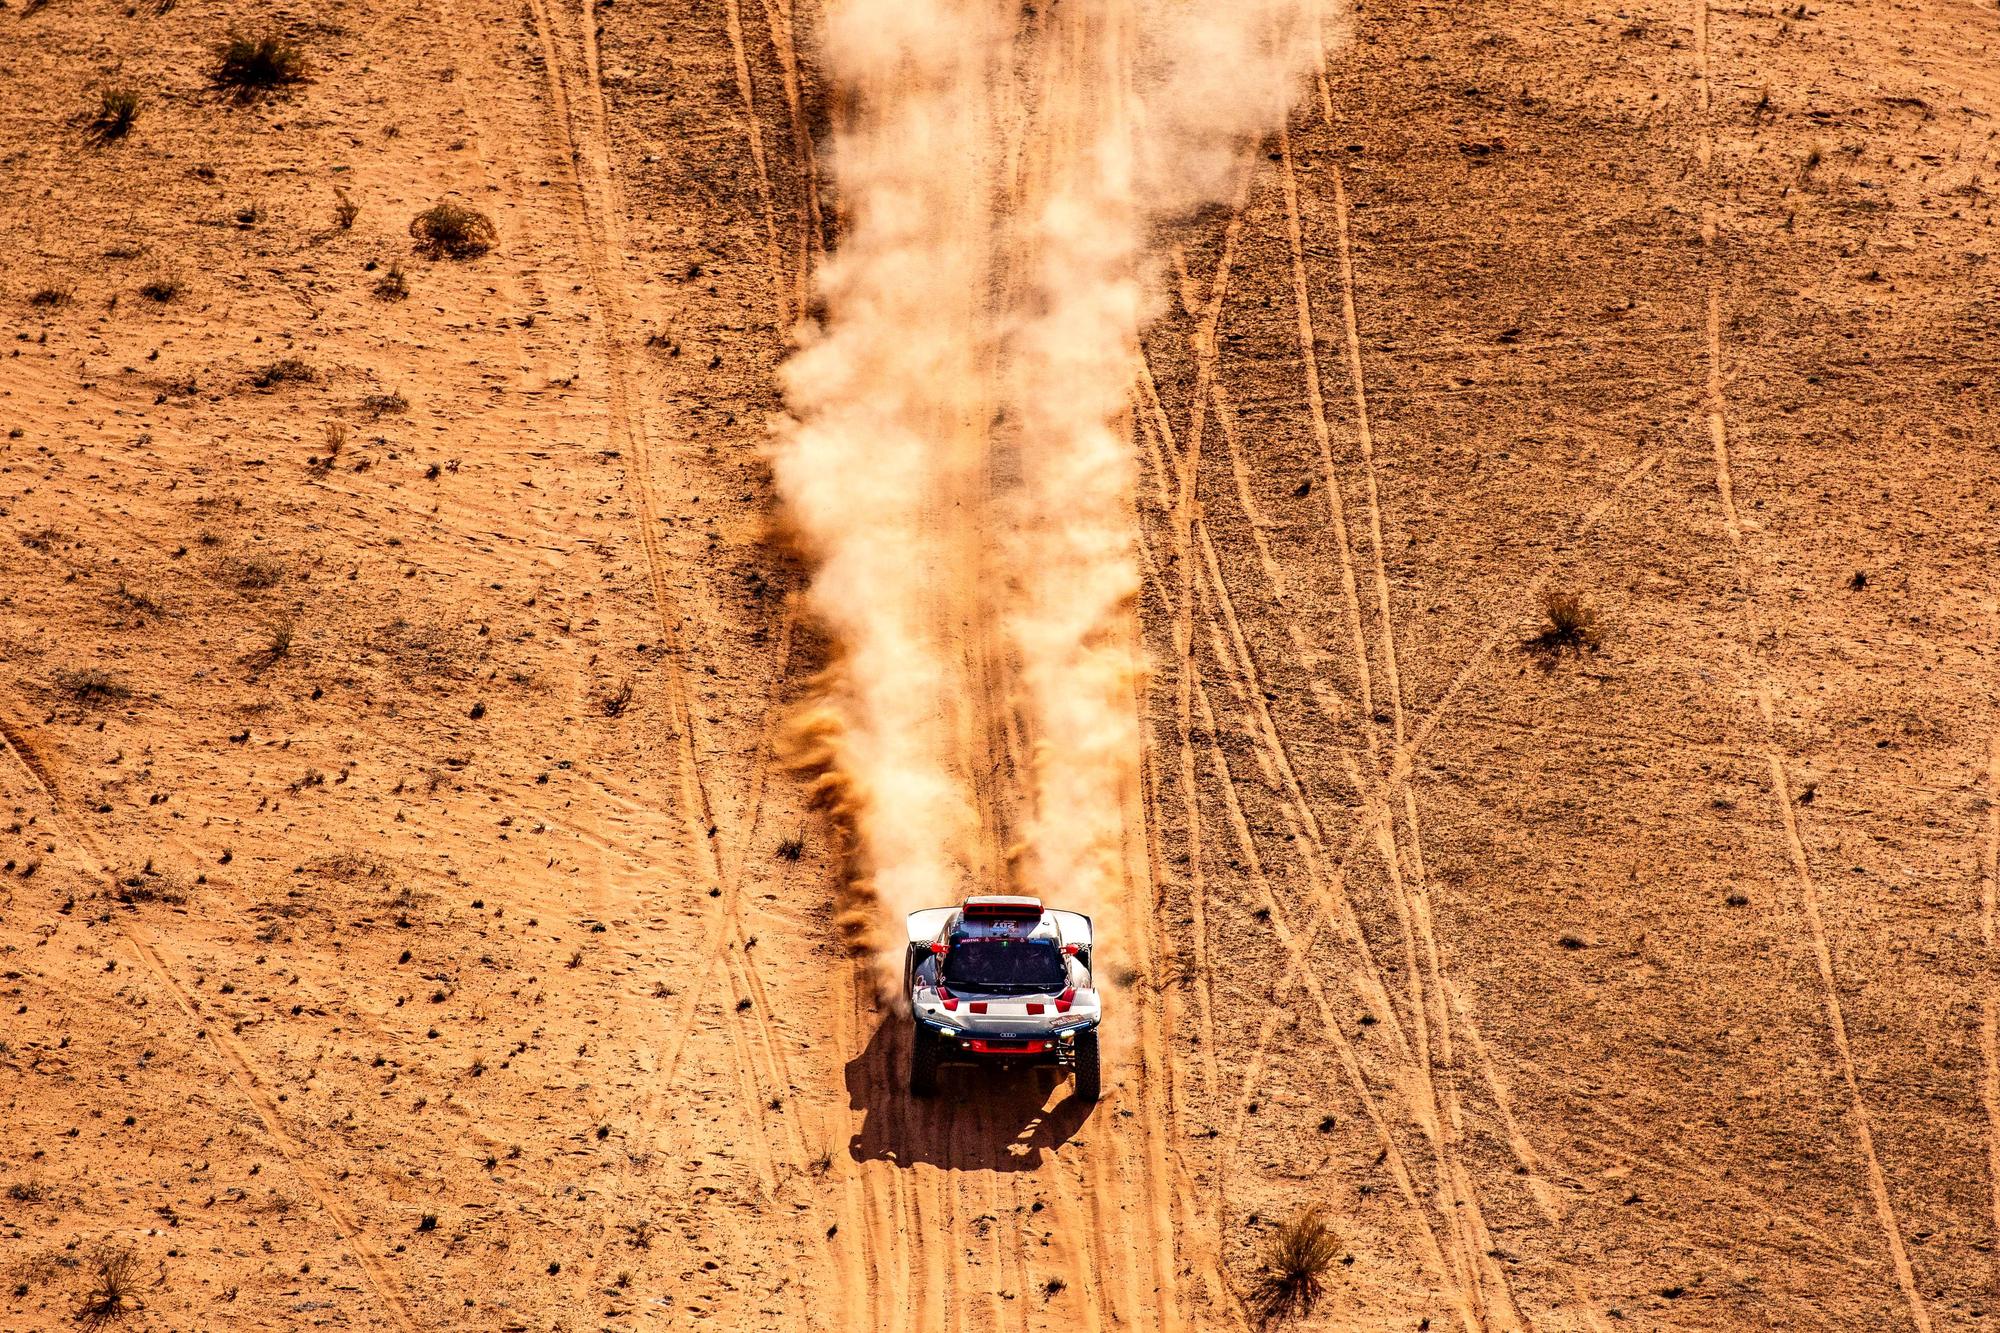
column 392, row 285
column 249, row 66
column 1292, row 1278
column 111, row 1295
column 285, row 370
column 160, row 288
column 254, row 575
column 152, row 887
column 428, row 650
column 90, row 687
column 1569, row 625
column 453, row 231
column 117, row 108
column 277, row 646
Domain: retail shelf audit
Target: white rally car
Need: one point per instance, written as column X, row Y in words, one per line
column 1002, row 980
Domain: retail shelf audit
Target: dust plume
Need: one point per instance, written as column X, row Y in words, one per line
column 1154, row 106
column 880, row 399
column 958, row 460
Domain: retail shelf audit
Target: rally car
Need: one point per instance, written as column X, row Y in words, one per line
column 1001, row 980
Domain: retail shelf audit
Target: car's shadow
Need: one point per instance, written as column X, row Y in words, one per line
column 982, row 1118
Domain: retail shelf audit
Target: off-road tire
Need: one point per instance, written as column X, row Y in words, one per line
column 923, row 1062
column 1087, row 1085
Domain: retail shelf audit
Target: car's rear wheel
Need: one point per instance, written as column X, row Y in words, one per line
column 923, row 1062
column 1086, row 1066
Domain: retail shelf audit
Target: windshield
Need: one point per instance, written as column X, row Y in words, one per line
column 995, row 965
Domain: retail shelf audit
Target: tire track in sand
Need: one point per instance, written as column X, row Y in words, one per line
column 1436, row 1010
column 757, row 1058
column 754, row 128
column 590, row 222
column 242, row 1068
column 1714, row 411
column 782, row 23
column 1989, row 1004
column 1378, row 805
column 1434, row 1007
column 1234, row 652
column 1126, row 1269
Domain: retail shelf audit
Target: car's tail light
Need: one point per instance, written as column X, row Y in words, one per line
column 940, row 949
column 1064, row 1000
column 950, row 1000
column 978, row 1006
column 1072, row 949
column 1034, row 1008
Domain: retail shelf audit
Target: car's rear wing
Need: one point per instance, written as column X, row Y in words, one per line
column 924, row 926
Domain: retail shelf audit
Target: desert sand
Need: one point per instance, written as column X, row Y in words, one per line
column 407, row 922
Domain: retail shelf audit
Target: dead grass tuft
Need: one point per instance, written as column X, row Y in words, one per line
column 335, row 435
column 117, row 108
column 453, row 231
column 277, row 646
column 250, row 66
column 90, row 687
column 155, row 888
column 1570, row 625
column 285, row 370
column 430, row 650
column 1292, row 1278
column 160, row 288
column 136, row 602
column 392, row 285
column 253, row 575
column 111, row 1296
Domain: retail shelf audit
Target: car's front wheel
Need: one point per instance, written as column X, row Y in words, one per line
column 923, row 1062
column 1087, row 1086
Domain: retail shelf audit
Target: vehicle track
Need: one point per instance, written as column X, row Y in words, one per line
column 1378, row 806
column 1431, row 1013
column 1110, row 1193
column 756, row 1056
column 1448, row 1270
column 1989, row 1004
column 1326, row 889
column 1714, row 409
column 781, row 20
column 782, row 293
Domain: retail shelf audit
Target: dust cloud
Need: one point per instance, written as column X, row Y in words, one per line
column 956, row 463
